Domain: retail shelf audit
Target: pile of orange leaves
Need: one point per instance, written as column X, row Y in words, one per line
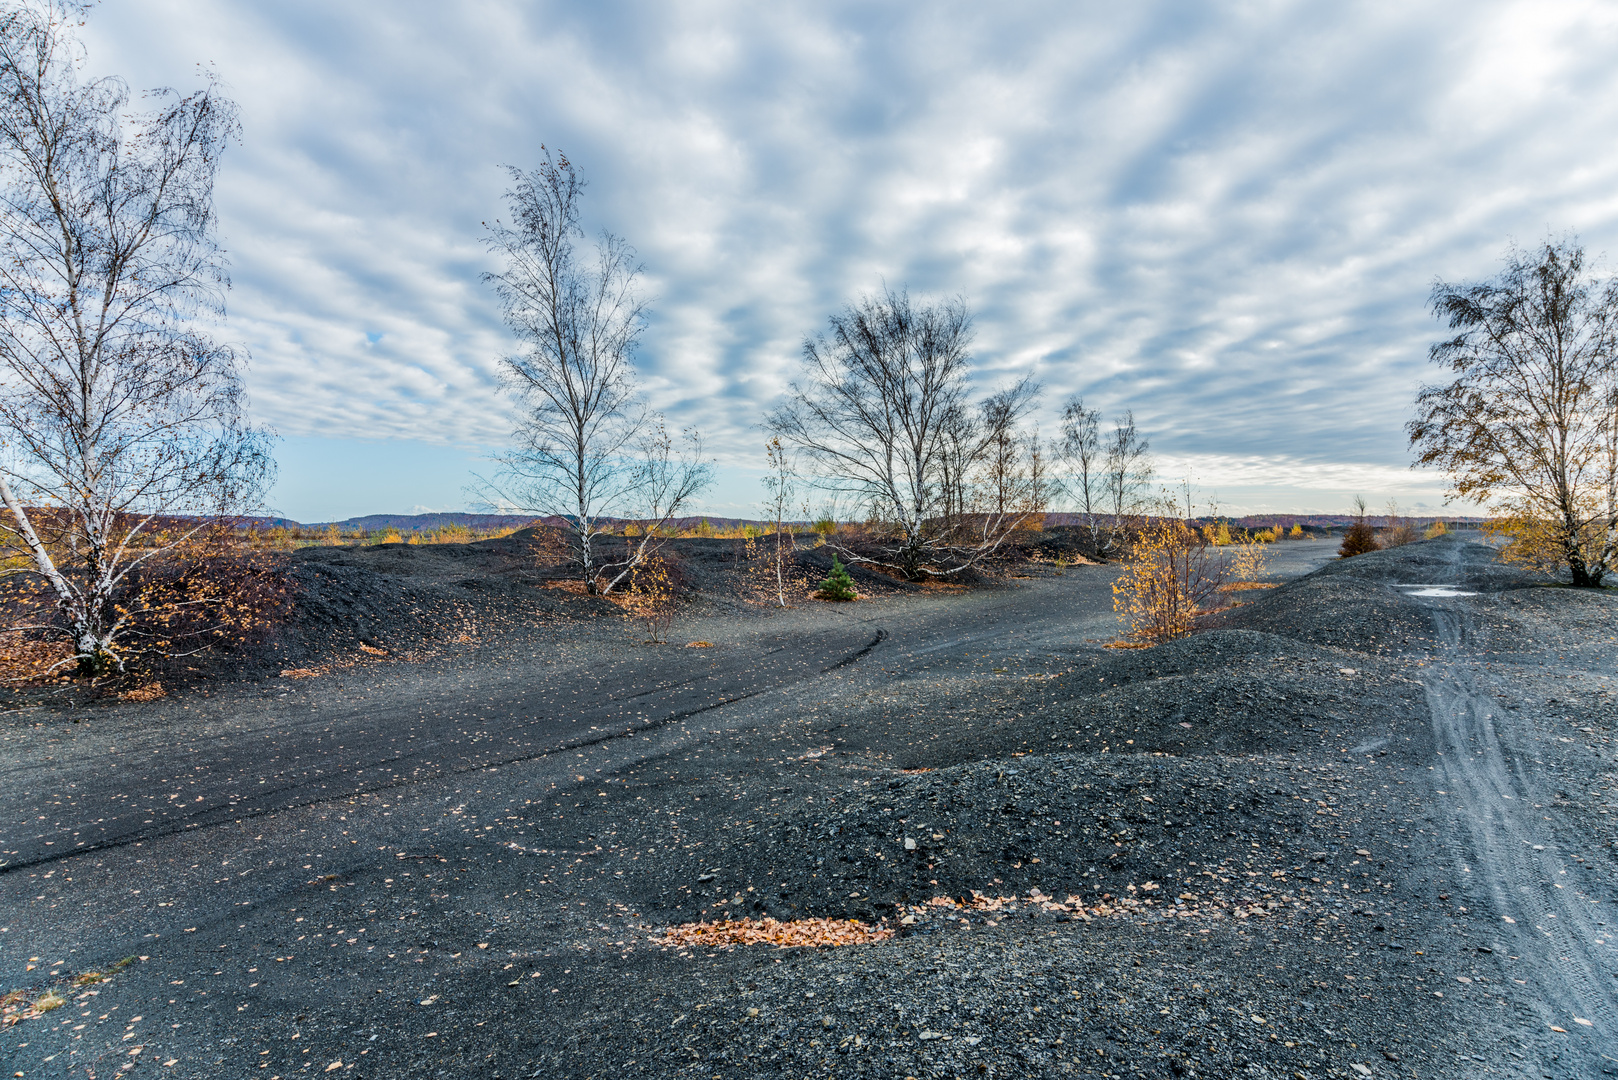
column 795, row 933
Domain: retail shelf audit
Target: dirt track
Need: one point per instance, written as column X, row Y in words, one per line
column 1533, row 870
column 1277, row 849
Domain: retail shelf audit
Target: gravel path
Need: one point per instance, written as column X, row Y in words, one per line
column 1279, row 849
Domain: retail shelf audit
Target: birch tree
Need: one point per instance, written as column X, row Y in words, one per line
column 779, row 491
column 1081, row 457
column 123, row 420
column 588, row 449
column 1529, row 424
column 883, row 415
column 1106, row 475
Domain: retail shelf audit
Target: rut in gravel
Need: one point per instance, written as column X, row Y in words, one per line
column 1503, row 845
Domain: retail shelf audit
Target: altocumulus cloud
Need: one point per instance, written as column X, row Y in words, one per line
column 1226, row 217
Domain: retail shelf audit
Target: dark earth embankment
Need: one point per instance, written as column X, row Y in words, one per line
column 1356, row 831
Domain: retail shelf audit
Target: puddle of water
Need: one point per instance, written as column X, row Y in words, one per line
column 1435, row 590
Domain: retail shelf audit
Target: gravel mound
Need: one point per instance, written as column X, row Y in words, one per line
column 1446, row 560
column 1356, row 603
column 1132, row 1002
column 1342, row 611
column 1060, row 824
column 406, row 598
column 1223, row 692
column 1238, row 692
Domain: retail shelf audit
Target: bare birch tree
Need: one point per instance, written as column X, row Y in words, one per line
column 1106, row 478
column 589, row 450
column 883, row 415
column 1013, row 465
column 122, row 419
column 1128, row 470
column 779, row 492
column 1080, row 453
column 1530, row 423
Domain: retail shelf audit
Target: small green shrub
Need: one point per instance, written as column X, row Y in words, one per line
column 838, row 586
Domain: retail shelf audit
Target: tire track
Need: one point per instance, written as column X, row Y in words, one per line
column 1546, row 905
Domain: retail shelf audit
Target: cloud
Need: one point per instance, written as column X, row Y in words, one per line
column 1226, row 218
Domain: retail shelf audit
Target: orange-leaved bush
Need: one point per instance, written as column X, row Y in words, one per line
column 1170, row 577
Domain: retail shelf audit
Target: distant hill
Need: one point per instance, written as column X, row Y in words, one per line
column 428, row 522
column 485, row 522
column 1308, row 521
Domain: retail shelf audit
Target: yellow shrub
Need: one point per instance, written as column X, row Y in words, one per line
column 1435, row 530
column 1169, row 577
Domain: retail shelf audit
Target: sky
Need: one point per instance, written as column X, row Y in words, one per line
column 1226, row 217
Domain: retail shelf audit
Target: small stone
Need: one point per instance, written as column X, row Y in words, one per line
column 1363, row 1070
column 752, row 1012
column 825, row 1021
column 1362, row 853
column 929, row 1036
column 910, row 843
